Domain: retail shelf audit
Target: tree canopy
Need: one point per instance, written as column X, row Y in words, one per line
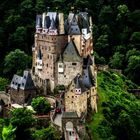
column 41, row 105
column 15, row 62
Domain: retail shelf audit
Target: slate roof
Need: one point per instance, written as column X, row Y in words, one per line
column 51, row 20
column 78, row 81
column 23, row 83
column 52, row 25
column 85, row 20
column 47, row 22
column 86, row 80
column 71, row 53
column 39, row 21
column 76, row 22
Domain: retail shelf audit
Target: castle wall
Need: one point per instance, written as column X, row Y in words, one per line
column 93, row 99
column 71, row 69
column 20, row 96
column 75, row 102
column 51, row 47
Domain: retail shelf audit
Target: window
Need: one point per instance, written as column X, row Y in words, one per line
column 60, row 66
column 72, row 96
column 74, row 64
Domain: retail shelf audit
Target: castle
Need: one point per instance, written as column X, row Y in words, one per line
column 62, row 56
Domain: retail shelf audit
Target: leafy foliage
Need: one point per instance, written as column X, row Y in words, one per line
column 23, row 120
column 41, row 105
column 3, row 83
column 15, row 62
column 118, row 110
column 8, row 133
column 117, row 60
column 48, row 133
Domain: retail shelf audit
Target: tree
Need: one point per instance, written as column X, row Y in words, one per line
column 98, row 59
column 106, row 14
column 132, row 53
column 41, row 105
column 15, row 62
column 117, row 61
column 48, row 133
column 8, row 133
column 135, row 39
column 122, row 11
column 3, row 83
column 102, row 46
column 40, row 6
column 23, row 120
column 133, row 68
column 19, row 38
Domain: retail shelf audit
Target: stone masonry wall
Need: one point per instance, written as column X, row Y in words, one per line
column 74, row 102
column 70, row 71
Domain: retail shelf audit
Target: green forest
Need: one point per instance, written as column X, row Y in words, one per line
column 116, row 26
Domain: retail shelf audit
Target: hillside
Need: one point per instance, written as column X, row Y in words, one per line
column 118, row 111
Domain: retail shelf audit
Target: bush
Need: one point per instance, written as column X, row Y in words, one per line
column 3, row 83
column 41, row 105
